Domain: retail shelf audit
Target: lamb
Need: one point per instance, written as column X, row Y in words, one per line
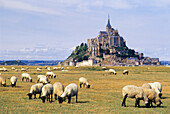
column 84, row 81
column 47, row 91
column 3, row 81
column 157, row 87
column 112, row 71
column 58, row 89
column 51, row 74
column 70, row 91
column 13, row 81
column 42, row 79
column 26, row 76
column 125, row 72
column 132, row 91
column 35, row 89
column 152, row 97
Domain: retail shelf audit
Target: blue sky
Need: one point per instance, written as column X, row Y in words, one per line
column 51, row 29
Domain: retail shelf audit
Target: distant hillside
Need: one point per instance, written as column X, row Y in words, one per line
column 41, row 62
column 13, row 62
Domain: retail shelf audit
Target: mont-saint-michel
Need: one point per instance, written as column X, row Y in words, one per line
column 107, row 49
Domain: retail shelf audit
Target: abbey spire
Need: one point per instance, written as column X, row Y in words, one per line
column 108, row 26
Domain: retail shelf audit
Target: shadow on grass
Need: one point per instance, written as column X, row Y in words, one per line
column 82, row 101
column 148, row 107
column 165, row 97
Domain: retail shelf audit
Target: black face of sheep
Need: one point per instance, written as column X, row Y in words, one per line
column 12, row 85
column 160, row 95
column 30, row 95
column 60, row 100
column 43, row 99
column 54, row 76
column 88, row 86
column 4, row 85
column 31, row 80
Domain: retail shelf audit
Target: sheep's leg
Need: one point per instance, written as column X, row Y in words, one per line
column 40, row 95
column 80, row 85
column 69, row 99
column 55, row 96
column 51, row 97
column 76, row 98
column 136, row 103
column 34, row 96
column 22, row 79
column 124, row 101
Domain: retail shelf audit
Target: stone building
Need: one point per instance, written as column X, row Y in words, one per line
column 105, row 39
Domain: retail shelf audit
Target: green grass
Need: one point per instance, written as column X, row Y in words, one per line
column 104, row 96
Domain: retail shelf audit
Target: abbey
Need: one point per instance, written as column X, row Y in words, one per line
column 106, row 39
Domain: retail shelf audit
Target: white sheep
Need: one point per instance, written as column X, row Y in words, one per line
column 43, row 79
column 146, row 85
column 23, row 69
column 58, row 89
column 152, row 97
column 51, row 74
column 125, row 72
column 112, row 71
column 103, row 68
column 5, row 69
column 13, row 81
column 70, row 91
column 157, row 87
column 1, row 69
column 35, row 89
column 26, row 76
column 13, row 68
column 47, row 91
column 16, row 70
column 84, row 81
column 132, row 91
column 39, row 70
column 2, row 81
column 48, row 68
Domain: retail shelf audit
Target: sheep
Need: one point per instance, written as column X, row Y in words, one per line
column 157, row 87
column 112, row 71
column 35, row 89
column 152, row 97
column 13, row 81
column 3, row 81
column 84, row 81
column 13, row 68
column 23, row 69
column 68, row 68
column 51, row 74
column 58, row 89
column 125, row 72
column 26, row 76
column 103, row 68
column 70, row 91
column 38, row 70
column 5, row 69
column 48, row 68
column 47, row 91
column 1, row 69
column 132, row 91
column 43, row 79
column 16, row 70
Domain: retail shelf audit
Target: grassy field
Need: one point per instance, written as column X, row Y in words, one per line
column 104, row 96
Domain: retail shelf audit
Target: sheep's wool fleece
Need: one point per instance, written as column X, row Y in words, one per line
column 58, row 88
column 132, row 91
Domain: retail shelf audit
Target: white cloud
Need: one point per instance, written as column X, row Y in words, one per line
column 13, row 4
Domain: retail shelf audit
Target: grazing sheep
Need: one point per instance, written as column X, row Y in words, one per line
column 157, row 87
column 35, row 89
column 112, row 71
column 152, row 97
column 125, row 72
column 1, row 69
column 45, row 67
column 47, row 91
column 55, row 68
column 23, row 70
column 70, row 91
column 13, row 68
column 16, row 70
column 27, row 77
column 38, row 70
column 64, row 70
column 43, row 78
column 13, row 81
column 5, row 69
column 132, row 91
column 51, row 74
column 58, row 89
column 84, row 81
column 3, row 81
column 48, row 68
column 103, row 68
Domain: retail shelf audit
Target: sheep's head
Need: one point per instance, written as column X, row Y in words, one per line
column 30, row 80
column 60, row 99
column 160, row 95
column 88, row 86
column 30, row 95
column 54, row 76
column 43, row 99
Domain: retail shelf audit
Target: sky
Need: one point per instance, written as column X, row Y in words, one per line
column 51, row 29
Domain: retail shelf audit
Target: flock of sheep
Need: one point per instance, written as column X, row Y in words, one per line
column 148, row 92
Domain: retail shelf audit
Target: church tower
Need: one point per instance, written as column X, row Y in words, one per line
column 108, row 26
